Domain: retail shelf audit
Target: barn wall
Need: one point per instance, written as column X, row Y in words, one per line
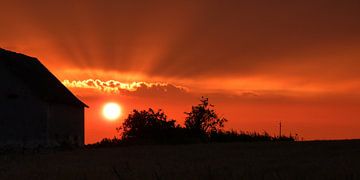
column 22, row 117
column 66, row 124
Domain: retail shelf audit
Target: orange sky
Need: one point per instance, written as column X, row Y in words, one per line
column 260, row 62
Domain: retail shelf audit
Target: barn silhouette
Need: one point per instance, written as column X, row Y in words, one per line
column 36, row 109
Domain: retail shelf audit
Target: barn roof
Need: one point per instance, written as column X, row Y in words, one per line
column 38, row 78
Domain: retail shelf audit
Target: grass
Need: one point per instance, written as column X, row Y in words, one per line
column 256, row 160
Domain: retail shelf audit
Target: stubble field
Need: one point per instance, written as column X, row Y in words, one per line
column 263, row 160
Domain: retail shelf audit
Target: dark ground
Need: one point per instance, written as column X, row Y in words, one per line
column 266, row 160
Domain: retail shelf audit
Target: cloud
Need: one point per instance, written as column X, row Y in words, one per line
column 116, row 87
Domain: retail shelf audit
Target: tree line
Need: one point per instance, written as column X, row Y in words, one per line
column 202, row 124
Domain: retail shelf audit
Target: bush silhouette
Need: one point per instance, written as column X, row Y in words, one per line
column 202, row 119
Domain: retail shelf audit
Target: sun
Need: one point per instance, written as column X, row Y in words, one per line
column 112, row 111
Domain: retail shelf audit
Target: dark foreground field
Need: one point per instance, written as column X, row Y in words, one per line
column 296, row 160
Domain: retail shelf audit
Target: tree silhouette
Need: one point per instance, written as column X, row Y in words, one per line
column 202, row 124
column 202, row 119
column 148, row 125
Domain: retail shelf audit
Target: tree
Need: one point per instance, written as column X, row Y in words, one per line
column 148, row 125
column 202, row 119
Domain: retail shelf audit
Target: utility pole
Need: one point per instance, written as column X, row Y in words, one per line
column 280, row 129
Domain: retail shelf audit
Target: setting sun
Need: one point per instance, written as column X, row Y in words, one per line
column 111, row 111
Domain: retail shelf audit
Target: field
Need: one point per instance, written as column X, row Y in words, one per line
column 268, row 160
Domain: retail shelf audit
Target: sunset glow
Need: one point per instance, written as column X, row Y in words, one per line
column 259, row 62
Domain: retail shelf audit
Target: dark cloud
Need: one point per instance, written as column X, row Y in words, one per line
column 308, row 39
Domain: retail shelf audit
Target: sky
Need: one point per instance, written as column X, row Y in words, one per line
column 259, row 62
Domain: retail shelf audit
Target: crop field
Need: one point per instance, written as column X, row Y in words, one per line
column 262, row 160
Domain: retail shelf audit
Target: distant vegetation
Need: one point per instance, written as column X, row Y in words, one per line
column 202, row 124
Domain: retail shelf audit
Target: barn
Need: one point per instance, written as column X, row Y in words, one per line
column 36, row 109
